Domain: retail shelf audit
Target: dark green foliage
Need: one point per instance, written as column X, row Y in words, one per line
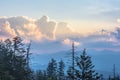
column 13, row 62
column 39, row 75
column 85, row 66
column 70, row 73
column 14, row 65
column 52, row 70
column 5, row 62
column 61, row 75
column 44, row 75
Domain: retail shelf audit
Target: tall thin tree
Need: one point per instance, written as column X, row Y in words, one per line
column 52, row 70
column 86, row 71
column 61, row 74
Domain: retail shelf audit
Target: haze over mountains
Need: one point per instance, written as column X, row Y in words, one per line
column 51, row 26
column 52, row 39
column 101, row 60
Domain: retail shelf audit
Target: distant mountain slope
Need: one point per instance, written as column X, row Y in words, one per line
column 103, row 60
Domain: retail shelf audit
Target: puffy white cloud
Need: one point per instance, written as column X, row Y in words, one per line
column 27, row 28
column 32, row 29
column 46, row 26
column 19, row 26
column 116, row 33
column 56, row 34
column 46, row 29
column 118, row 20
column 63, row 30
column 69, row 42
column 6, row 31
column 77, row 43
column 31, row 32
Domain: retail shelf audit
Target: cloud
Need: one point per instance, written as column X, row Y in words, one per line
column 35, row 29
column 27, row 28
column 6, row 30
column 20, row 26
column 118, row 20
column 63, row 30
column 69, row 42
column 31, row 32
column 46, row 26
column 116, row 33
column 100, row 40
column 56, row 34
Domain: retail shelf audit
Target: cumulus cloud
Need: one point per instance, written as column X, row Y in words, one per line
column 118, row 20
column 15, row 22
column 6, row 30
column 58, row 32
column 46, row 26
column 27, row 28
column 34, row 29
column 31, row 32
column 63, row 30
column 69, row 42
column 19, row 26
column 116, row 33
column 102, row 40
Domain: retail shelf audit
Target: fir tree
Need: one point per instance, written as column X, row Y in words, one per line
column 13, row 62
column 85, row 66
column 52, row 70
column 5, row 62
column 44, row 75
column 39, row 75
column 61, row 67
column 70, row 73
column 19, row 59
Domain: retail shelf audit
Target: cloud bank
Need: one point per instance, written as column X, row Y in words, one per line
column 31, row 29
column 53, row 33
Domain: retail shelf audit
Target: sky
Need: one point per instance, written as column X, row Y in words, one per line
column 79, row 14
column 52, row 25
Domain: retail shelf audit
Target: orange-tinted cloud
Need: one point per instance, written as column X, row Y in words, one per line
column 32, row 29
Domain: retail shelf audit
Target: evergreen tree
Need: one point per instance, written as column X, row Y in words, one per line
column 19, row 59
column 61, row 67
column 52, row 70
column 29, row 72
column 13, row 62
column 85, row 66
column 44, row 75
column 39, row 75
column 5, row 62
column 70, row 73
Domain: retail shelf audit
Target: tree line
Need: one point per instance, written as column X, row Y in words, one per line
column 14, row 65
